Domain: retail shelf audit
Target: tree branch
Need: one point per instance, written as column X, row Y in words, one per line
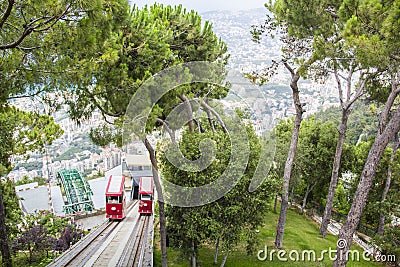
column 55, row 18
column 189, row 111
column 290, row 69
column 339, row 84
column 210, row 121
column 221, row 122
column 26, row 49
column 102, row 109
column 198, row 123
column 349, row 78
column 25, row 96
column 166, row 127
column 7, row 13
column 28, row 29
column 358, row 93
column 26, row 32
column 389, row 103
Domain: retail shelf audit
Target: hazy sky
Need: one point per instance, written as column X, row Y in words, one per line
column 208, row 5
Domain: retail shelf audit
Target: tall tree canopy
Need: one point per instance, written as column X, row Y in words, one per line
column 372, row 29
column 366, row 35
column 297, row 58
column 236, row 215
column 39, row 41
column 152, row 39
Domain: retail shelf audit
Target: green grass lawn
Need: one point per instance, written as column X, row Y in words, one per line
column 301, row 234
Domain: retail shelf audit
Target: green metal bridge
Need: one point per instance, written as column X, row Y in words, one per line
column 77, row 191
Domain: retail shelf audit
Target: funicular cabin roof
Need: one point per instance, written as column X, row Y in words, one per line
column 138, row 160
column 137, row 174
column 115, row 185
column 146, row 185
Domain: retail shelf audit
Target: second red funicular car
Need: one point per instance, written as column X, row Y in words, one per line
column 115, row 198
column 146, row 195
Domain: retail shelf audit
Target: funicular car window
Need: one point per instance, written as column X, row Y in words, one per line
column 145, row 197
column 113, row 199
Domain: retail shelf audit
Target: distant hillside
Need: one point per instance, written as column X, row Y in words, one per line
column 234, row 28
column 247, row 56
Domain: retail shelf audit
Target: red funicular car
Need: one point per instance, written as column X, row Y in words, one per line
column 115, row 198
column 146, row 195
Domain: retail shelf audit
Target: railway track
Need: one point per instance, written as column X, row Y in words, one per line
column 134, row 249
column 113, row 243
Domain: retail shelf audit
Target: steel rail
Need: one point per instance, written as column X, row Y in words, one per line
column 130, row 252
column 77, row 250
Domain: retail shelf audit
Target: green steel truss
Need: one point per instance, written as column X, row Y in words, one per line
column 77, row 191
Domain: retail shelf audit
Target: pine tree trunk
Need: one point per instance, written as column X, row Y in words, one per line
column 224, row 260
column 5, row 248
column 289, row 160
column 216, row 252
column 303, row 207
column 194, row 254
column 189, row 112
column 382, row 216
column 291, row 196
column 210, row 121
column 381, row 225
column 366, row 180
column 193, row 260
column 163, row 234
column 163, row 220
column 335, row 173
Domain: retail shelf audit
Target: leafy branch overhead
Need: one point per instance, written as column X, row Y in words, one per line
column 40, row 42
column 24, row 131
column 153, row 38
